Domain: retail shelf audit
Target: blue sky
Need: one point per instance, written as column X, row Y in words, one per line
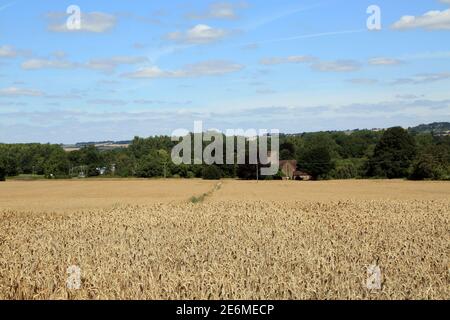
column 151, row 67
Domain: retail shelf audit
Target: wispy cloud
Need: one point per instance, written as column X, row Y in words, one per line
column 220, row 10
column 59, row 126
column 20, row 92
column 284, row 60
column 108, row 102
column 409, row 96
column 337, row 66
column 363, row 81
column 8, row 52
column 35, row 64
column 265, row 91
column 383, row 61
column 423, row 78
column 160, row 102
column 104, row 64
column 206, row 68
column 315, row 63
column 110, row 64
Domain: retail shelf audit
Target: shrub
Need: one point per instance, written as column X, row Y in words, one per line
column 190, row 175
column 427, row 168
column 279, row 176
column 212, row 173
column 345, row 170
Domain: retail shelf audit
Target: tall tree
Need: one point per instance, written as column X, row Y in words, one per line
column 393, row 155
column 317, row 161
column 57, row 164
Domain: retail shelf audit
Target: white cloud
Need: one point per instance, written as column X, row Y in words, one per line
column 155, row 102
column 106, row 64
column 290, row 59
column 200, row 34
column 432, row 20
column 423, row 78
column 8, row 52
column 110, row 64
column 408, row 96
column 96, row 22
column 207, row 68
column 59, row 126
column 363, row 81
column 108, row 102
column 20, row 92
column 59, row 54
column 265, row 91
column 382, row 61
column 315, row 63
column 35, row 64
column 220, row 10
column 150, row 72
column 337, row 66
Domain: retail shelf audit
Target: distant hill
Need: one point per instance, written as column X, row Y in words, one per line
column 85, row 144
column 437, row 128
column 101, row 145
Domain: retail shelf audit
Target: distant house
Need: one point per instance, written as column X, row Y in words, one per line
column 288, row 167
column 301, row 175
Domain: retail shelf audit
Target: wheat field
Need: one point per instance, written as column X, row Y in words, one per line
column 139, row 239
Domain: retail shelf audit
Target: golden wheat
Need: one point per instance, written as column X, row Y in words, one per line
column 239, row 249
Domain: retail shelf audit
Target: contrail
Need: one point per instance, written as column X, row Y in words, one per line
column 304, row 36
column 271, row 19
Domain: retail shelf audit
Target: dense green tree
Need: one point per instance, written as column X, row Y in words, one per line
column 2, row 174
column 212, row 172
column 345, row 169
column 356, row 144
column 9, row 160
column 322, row 139
column 58, row 164
column 124, row 165
column 387, row 153
column 393, row 155
column 433, row 162
column 287, row 151
column 150, row 166
column 425, row 167
column 316, row 161
column 247, row 171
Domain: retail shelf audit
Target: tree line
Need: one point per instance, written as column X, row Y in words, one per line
column 391, row 153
